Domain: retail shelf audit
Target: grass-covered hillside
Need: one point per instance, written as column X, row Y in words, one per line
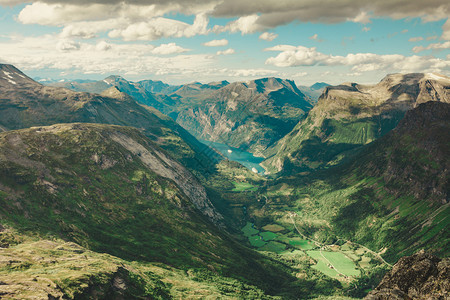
column 350, row 115
column 111, row 190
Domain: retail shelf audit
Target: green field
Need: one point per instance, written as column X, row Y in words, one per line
column 256, row 241
column 243, row 187
column 342, row 263
column 248, row 230
column 268, row 236
column 302, row 244
column 273, row 247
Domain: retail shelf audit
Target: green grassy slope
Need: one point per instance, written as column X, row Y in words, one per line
column 80, row 183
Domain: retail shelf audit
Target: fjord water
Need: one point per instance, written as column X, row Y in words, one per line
column 246, row 159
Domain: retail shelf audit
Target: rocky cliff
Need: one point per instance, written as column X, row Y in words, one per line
column 419, row 276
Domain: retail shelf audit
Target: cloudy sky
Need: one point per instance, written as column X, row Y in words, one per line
column 180, row 41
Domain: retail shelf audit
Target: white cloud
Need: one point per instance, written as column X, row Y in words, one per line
column 315, row 37
column 250, row 72
column 430, row 38
column 170, row 48
column 67, row 45
column 59, row 14
column 435, row 46
column 123, row 20
column 301, row 74
column 246, row 25
column 157, row 28
column 226, row 52
column 89, row 30
column 259, row 14
column 362, row 18
column 40, row 53
column 103, row 46
column 292, row 56
column 416, row 39
column 366, row 29
column 268, row 36
column 216, row 43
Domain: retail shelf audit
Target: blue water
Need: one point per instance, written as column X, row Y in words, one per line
column 244, row 158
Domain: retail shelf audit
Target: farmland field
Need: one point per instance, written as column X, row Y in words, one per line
column 244, row 186
column 268, row 236
column 342, row 263
column 256, row 241
column 302, row 244
column 273, row 247
column 273, row 227
column 248, row 230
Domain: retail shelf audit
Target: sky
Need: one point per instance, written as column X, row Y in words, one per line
column 182, row 41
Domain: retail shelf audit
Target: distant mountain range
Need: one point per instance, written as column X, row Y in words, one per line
column 207, row 110
column 247, row 115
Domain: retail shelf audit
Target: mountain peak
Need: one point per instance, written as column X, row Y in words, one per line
column 318, row 86
column 10, row 75
column 113, row 78
column 114, row 92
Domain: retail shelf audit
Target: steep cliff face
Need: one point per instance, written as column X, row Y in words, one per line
column 420, row 276
column 248, row 115
column 350, row 115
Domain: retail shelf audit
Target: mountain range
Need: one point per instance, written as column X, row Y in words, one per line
column 220, row 111
column 106, row 191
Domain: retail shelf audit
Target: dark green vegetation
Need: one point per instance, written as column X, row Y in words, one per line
column 349, row 116
column 111, row 190
column 389, row 201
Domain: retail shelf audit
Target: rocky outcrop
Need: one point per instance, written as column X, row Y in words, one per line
column 166, row 167
column 420, row 276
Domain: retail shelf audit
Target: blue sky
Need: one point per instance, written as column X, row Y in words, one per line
column 180, row 41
